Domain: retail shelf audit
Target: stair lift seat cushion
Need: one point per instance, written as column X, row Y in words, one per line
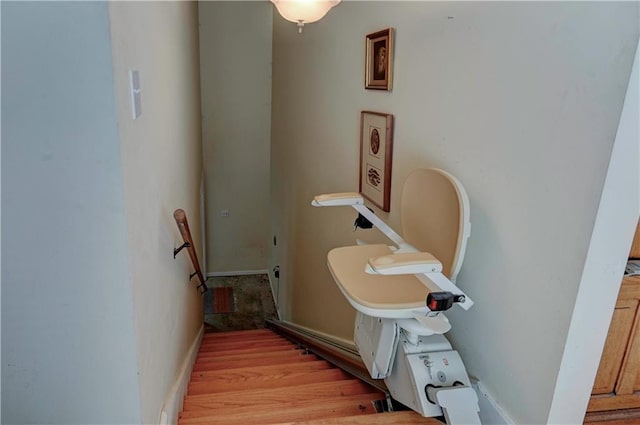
column 396, row 296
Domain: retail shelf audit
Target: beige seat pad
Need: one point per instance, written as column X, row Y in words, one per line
column 374, row 291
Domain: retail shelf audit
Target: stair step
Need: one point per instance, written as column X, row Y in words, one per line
column 242, row 345
column 283, row 347
column 255, row 372
column 251, row 356
column 259, row 397
column 240, row 338
column 258, row 377
column 256, row 333
column 230, row 334
column 237, row 338
column 234, row 364
column 344, row 406
column 265, row 381
column 388, row 418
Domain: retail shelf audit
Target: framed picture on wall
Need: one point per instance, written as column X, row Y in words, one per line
column 378, row 60
column 376, row 148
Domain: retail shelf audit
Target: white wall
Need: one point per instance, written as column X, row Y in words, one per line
column 520, row 101
column 97, row 315
column 235, row 55
column 610, row 242
column 162, row 164
column 68, row 342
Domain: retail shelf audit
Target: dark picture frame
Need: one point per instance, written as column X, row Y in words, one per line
column 376, row 154
column 378, row 73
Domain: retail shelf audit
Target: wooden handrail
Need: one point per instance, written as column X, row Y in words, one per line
column 183, row 225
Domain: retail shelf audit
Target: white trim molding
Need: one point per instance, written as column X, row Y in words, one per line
column 490, row 411
column 613, row 231
column 173, row 403
column 238, row 273
column 345, row 343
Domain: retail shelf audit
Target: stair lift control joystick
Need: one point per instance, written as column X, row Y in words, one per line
column 400, row 338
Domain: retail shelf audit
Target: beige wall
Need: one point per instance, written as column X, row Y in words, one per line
column 520, row 101
column 161, row 160
column 235, row 52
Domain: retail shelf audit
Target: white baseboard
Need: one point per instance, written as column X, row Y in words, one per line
column 345, row 343
column 237, row 273
column 491, row 413
column 173, row 403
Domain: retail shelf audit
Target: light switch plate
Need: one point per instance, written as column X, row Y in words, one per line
column 136, row 101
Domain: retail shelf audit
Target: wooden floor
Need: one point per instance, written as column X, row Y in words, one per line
column 259, row 378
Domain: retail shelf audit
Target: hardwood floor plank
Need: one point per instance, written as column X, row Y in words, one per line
column 251, row 356
column 254, row 355
column 315, row 392
column 239, row 336
column 253, row 382
column 242, row 345
column 256, row 371
column 283, row 347
column 388, row 418
column 230, row 334
column 283, row 412
column 242, row 340
column 234, row 364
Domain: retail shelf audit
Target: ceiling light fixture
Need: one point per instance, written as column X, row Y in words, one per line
column 304, row 11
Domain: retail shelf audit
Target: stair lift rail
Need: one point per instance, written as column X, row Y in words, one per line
column 334, row 353
column 183, row 226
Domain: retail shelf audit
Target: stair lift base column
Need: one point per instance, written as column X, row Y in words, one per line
column 417, row 366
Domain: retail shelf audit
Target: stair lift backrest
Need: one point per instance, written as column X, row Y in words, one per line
column 435, row 217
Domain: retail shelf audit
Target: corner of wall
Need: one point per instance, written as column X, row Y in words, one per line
column 611, row 239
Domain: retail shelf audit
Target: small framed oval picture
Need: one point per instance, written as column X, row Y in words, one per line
column 378, row 74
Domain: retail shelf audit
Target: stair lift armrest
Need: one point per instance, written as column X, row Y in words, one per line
column 423, row 265
column 404, row 263
column 356, row 201
column 337, row 199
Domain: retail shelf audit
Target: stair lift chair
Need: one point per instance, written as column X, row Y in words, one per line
column 401, row 291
